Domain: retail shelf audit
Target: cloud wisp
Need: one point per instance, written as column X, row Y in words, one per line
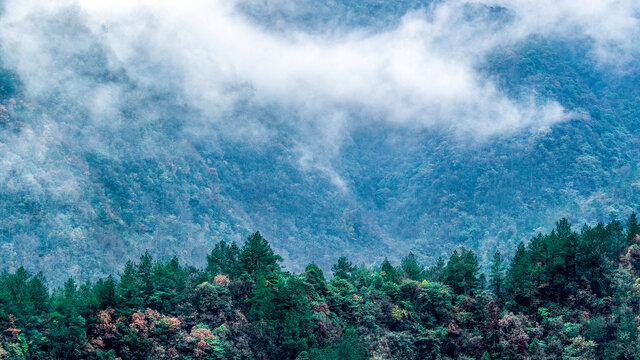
column 612, row 25
column 420, row 73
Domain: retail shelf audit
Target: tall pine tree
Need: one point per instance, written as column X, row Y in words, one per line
column 496, row 275
column 411, row 268
column 343, row 268
column 257, row 255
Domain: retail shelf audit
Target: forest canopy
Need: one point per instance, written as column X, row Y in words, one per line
column 564, row 295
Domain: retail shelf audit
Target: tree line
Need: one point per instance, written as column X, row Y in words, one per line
column 564, row 295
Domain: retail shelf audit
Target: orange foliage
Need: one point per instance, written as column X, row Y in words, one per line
column 139, row 322
column 172, row 352
column 221, row 280
column 152, row 314
column 453, row 328
column 172, row 322
column 201, row 333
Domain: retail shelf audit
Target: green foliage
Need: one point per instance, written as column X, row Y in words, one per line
column 633, row 229
column 518, row 280
column 314, row 276
column 104, row 293
column 496, row 275
column 428, row 191
column 163, row 310
column 343, row 268
column 436, row 272
column 223, row 259
column 23, row 295
column 388, row 271
column 130, row 287
column 435, row 303
column 411, row 268
column 257, row 256
column 348, row 347
column 461, row 272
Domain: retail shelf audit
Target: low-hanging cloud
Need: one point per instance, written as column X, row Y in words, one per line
column 416, row 73
column 612, row 25
column 420, row 73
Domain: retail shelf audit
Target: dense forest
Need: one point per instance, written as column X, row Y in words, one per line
column 99, row 162
column 399, row 156
column 563, row 295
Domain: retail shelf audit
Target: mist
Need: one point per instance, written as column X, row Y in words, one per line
column 420, row 73
column 158, row 81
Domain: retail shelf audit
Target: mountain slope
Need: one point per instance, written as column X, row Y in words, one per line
column 100, row 163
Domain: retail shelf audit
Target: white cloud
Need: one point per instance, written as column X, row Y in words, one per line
column 421, row 73
column 417, row 73
column 613, row 25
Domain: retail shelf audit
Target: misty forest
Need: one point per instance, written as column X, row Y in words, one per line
column 335, row 179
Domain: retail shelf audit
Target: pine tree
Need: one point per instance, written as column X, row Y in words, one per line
column 314, row 276
column 518, row 279
column 411, row 268
column 223, row 259
column 130, row 287
column 257, row 255
column 343, row 268
column 633, row 228
column 104, row 293
column 388, row 272
column 616, row 238
column 68, row 330
column 145, row 273
column 436, row 272
column 496, row 275
column 18, row 288
column 23, row 295
column 461, row 272
column 555, row 259
column 592, row 260
column 264, row 304
column 38, row 294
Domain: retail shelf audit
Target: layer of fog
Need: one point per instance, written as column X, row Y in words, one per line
column 420, row 73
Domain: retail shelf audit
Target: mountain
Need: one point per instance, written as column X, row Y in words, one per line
column 334, row 128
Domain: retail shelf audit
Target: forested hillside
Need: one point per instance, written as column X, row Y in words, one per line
column 115, row 140
column 563, row 295
column 407, row 160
